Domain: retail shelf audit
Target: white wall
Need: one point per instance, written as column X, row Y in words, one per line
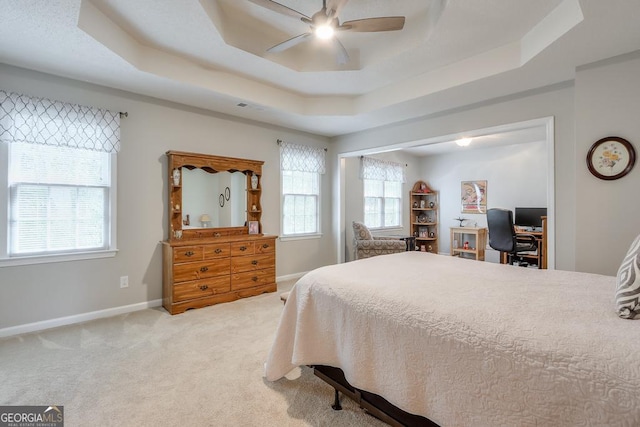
column 48, row 291
column 516, row 175
column 608, row 212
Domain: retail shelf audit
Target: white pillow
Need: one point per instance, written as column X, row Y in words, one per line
column 628, row 283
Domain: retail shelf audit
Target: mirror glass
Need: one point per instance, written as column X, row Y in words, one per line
column 213, row 199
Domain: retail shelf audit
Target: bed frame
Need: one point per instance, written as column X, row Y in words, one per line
column 373, row 404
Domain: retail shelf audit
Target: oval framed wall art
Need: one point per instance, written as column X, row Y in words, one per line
column 611, row 158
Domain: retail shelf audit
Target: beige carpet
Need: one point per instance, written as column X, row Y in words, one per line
column 200, row 368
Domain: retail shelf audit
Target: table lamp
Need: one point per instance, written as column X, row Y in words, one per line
column 205, row 220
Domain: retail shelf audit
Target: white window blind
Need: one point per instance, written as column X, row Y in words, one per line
column 301, row 167
column 59, row 176
column 59, row 199
column 382, row 182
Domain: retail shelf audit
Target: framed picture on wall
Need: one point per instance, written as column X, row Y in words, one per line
column 253, row 227
column 611, row 158
column 474, row 196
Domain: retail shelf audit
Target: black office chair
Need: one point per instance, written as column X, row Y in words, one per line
column 502, row 235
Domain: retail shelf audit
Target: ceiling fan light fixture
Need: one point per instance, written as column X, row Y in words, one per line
column 463, row 142
column 324, row 32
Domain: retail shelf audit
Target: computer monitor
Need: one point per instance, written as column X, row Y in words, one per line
column 530, row 217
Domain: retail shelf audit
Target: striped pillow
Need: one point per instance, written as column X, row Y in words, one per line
column 628, row 283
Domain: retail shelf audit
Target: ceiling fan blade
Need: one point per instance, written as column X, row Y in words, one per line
column 279, row 8
column 342, row 57
column 289, row 43
column 334, row 7
column 372, row 25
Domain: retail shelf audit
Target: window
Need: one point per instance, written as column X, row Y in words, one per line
column 60, row 159
column 300, row 193
column 382, row 203
column 58, row 199
column 382, row 192
column 301, row 167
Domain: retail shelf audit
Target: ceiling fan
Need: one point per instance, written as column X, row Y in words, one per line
column 324, row 24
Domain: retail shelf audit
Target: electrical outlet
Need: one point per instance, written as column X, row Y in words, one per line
column 124, row 281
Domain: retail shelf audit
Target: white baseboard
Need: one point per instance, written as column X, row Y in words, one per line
column 84, row 317
column 290, row 276
column 77, row 318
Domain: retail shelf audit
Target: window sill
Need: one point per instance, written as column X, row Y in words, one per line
column 300, row 237
column 43, row 259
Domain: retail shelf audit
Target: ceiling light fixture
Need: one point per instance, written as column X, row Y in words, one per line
column 324, row 32
column 463, row 142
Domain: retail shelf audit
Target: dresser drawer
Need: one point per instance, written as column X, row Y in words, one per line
column 242, row 248
column 265, row 247
column 200, row 270
column 187, row 253
column 252, row 263
column 250, row 279
column 201, row 288
column 216, row 251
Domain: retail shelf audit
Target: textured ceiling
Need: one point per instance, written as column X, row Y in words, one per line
column 211, row 53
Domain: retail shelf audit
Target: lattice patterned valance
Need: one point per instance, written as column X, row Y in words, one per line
column 302, row 158
column 46, row 122
column 381, row 170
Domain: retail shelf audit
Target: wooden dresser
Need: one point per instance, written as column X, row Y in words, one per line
column 197, row 274
column 205, row 264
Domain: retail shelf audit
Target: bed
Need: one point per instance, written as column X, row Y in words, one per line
column 467, row 343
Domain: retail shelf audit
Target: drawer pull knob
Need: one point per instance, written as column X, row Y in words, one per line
column 204, row 287
column 203, row 269
column 254, row 262
column 243, row 248
column 254, row 278
column 188, row 253
column 218, row 251
column 265, row 246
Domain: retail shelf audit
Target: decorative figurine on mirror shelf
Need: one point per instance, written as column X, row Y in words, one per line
column 254, row 181
column 176, row 177
column 186, row 221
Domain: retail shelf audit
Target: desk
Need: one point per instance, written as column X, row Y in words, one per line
column 540, row 257
column 476, row 238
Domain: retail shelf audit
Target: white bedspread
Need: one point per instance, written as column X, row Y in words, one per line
column 468, row 343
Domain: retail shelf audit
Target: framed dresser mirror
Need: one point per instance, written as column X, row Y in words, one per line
column 212, row 196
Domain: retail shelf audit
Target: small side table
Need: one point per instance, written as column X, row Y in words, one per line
column 411, row 242
column 477, row 238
